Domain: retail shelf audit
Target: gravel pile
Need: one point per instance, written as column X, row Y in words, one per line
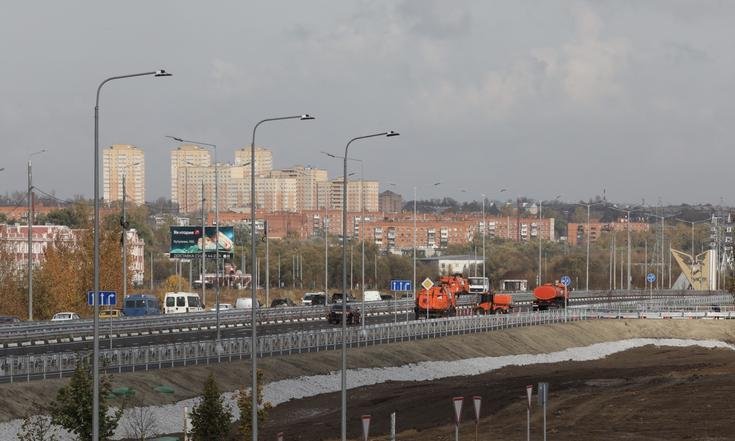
column 169, row 418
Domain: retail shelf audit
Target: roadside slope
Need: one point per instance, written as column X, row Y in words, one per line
column 187, row 382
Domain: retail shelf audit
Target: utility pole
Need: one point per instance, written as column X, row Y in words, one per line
column 204, row 258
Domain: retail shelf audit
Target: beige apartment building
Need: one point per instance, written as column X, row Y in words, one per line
column 126, row 160
column 307, row 184
column 361, row 195
column 263, row 160
column 184, row 157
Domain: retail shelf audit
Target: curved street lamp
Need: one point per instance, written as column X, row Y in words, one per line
column 253, row 256
column 95, row 360
column 388, row 134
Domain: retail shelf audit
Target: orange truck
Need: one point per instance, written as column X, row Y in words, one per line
column 550, row 295
column 491, row 303
column 441, row 299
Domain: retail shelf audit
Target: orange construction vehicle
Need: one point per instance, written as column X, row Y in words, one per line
column 491, row 303
column 550, row 295
column 441, row 299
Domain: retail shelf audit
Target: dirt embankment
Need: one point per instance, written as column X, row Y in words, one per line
column 19, row 398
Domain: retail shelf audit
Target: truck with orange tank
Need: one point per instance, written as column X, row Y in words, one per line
column 550, row 295
column 494, row 303
column 441, row 299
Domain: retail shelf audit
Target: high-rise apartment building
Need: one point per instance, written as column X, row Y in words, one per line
column 184, row 156
column 361, row 195
column 390, row 202
column 123, row 160
column 307, row 184
column 263, row 160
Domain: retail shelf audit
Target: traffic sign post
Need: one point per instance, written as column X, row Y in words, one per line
column 543, row 398
column 529, row 394
column 427, row 284
column 279, row 436
column 566, row 281
column 365, row 427
column 650, row 278
column 106, row 298
column 457, row 401
column 401, row 285
column 477, row 401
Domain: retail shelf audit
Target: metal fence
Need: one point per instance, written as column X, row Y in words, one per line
column 32, row 367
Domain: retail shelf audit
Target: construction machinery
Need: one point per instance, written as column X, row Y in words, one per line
column 441, row 299
column 492, row 303
column 550, row 295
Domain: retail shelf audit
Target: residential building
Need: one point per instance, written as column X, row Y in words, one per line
column 185, row 156
column 263, row 160
column 307, row 181
column 577, row 232
column 390, row 202
column 123, row 160
column 361, row 195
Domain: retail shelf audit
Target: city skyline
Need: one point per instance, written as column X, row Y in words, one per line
column 585, row 89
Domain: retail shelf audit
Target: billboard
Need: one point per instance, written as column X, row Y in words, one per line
column 186, row 242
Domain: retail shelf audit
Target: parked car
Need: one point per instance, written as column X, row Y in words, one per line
column 6, row 319
column 337, row 297
column 282, row 303
column 136, row 305
column 110, row 313
column 222, row 307
column 386, row 297
column 314, row 298
column 352, row 311
column 65, row 316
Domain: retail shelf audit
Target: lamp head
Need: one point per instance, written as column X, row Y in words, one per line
column 390, row 133
column 175, row 138
column 161, row 73
column 306, row 117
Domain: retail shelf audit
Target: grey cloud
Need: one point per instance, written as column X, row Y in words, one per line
column 436, row 18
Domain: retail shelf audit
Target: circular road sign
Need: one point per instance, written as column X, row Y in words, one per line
column 566, row 280
column 651, row 277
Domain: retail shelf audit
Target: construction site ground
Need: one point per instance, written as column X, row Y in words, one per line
column 647, row 393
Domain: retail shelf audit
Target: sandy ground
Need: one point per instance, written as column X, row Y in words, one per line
column 18, row 398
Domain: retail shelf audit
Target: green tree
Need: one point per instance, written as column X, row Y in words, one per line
column 72, row 408
column 245, row 403
column 210, row 420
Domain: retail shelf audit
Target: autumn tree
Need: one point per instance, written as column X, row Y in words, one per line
column 245, row 404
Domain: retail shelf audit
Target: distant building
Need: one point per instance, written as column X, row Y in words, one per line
column 361, row 195
column 183, row 158
column 448, row 265
column 577, row 232
column 390, row 202
column 123, row 160
column 263, row 160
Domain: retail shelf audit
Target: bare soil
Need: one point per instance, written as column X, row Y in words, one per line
column 642, row 394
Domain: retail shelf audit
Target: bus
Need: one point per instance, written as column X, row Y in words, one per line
column 136, row 305
column 181, row 302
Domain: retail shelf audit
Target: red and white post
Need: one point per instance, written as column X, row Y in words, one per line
column 529, row 394
column 477, row 401
column 457, row 401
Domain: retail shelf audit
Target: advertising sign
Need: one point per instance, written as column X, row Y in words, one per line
column 186, row 242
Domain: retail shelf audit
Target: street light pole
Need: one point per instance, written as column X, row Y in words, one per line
column 30, row 233
column 253, row 293
column 96, row 343
column 344, row 279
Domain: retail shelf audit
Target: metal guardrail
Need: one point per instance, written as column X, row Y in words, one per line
column 32, row 367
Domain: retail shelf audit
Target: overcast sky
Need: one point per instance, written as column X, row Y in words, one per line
column 540, row 97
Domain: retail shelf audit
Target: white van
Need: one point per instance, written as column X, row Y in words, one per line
column 372, row 296
column 181, row 302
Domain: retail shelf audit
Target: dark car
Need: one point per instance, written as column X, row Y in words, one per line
column 337, row 297
column 281, row 303
column 352, row 312
column 7, row 319
column 386, row 297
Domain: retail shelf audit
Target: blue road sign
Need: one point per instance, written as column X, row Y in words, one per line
column 106, row 298
column 566, row 280
column 651, row 277
column 401, row 285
